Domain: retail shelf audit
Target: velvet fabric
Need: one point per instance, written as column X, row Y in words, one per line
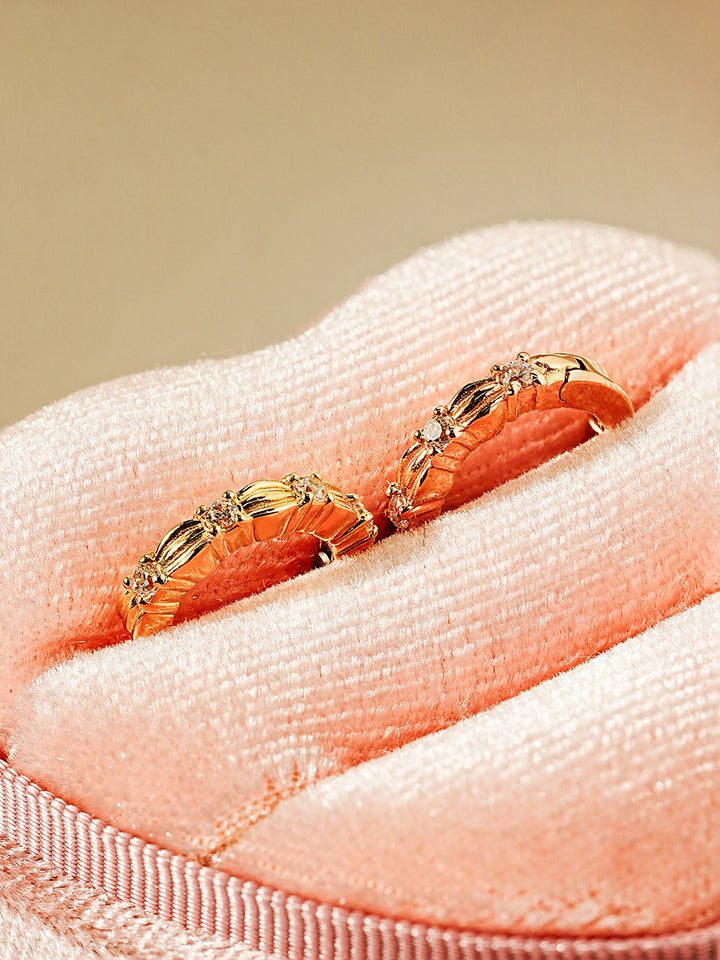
column 506, row 719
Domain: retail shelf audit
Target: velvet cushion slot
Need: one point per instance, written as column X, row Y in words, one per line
column 586, row 803
column 202, row 737
column 250, row 705
column 90, row 483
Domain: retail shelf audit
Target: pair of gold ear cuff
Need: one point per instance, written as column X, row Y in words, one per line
column 268, row 509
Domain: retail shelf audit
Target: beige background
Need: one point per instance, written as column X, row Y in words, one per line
column 199, row 179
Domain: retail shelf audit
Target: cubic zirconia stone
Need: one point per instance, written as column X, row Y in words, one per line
column 223, row 513
column 432, row 430
column 144, row 583
column 398, row 503
column 517, row 370
column 310, row 488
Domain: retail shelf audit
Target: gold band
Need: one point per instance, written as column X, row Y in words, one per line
column 481, row 409
column 263, row 510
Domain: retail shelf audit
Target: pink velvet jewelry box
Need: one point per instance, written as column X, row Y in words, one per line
column 497, row 734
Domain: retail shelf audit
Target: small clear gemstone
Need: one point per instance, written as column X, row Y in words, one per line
column 438, row 431
column 397, row 505
column 518, row 370
column 223, row 513
column 432, row 430
column 310, row 488
column 144, row 582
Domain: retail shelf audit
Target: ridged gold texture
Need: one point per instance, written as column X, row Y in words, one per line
column 480, row 410
column 262, row 510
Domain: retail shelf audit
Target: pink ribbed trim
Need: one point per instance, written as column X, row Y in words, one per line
column 201, row 898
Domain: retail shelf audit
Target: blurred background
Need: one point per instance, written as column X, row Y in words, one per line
column 198, row 179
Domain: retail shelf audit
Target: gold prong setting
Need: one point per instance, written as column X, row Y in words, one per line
column 440, row 429
column 310, row 489
column 146, row 579
column 521, row 371
column 221, row 515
